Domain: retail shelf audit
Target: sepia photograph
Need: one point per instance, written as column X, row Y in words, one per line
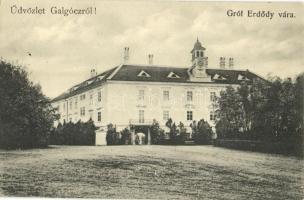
column 136, row 99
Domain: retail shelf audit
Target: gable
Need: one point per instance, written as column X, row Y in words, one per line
column 218, row 77
column 143, row 74
column 173, row 75
column 242, row 78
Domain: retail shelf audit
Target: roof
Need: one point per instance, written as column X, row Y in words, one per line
column 151, row 73
column 85, row 85
column 197, row 46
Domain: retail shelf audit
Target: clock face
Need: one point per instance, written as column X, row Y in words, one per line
column 200, row 63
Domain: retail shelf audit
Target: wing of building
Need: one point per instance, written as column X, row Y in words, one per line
column 137, row 94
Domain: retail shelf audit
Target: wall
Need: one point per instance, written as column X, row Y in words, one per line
column 124, row 105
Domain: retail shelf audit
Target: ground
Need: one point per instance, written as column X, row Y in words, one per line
column 162, row 172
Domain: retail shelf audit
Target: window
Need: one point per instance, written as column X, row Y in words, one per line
column 76, row 102
column 141, row 116
column 82, row 111
column 212, row 116
column 165, row 115
column 202, row 54
column 173, row 75
column 189, row 95
column 166, row 95
column 141, row 95
column 99, row 116
column 82, row 97
column 91, row 114
column 189, row 115
column 99, row 96
column 212, row 96
column 143, row 74
column 91, row 99
column 197, row 54
column 218, row 77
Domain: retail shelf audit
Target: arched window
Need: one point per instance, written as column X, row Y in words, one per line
column 202, row 55
column 197, row 54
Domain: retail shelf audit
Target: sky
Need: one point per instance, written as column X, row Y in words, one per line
column 59, row 51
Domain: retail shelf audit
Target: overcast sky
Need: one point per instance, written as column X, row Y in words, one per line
column 64, row 49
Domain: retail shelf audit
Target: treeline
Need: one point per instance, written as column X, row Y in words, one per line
column 80, row 133
column 267, row 111
column 26, row 115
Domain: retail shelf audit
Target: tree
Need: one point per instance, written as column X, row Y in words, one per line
column 230, row 113
column 269, row 111
column 202, row 132
column 173, row 132
column 157, row 134
column 80, row 133
column 26, row 115
column 111, row 134
column 182, row 132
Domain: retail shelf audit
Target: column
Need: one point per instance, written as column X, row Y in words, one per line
column 149, row 136
column 132, row 136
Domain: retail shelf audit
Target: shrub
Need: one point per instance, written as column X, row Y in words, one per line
column 202, row 132
column 126, row 136
column 113, row 137
column 157, row 134
column 81, row 133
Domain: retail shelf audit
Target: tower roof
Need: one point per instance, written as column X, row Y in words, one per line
column 197, row 46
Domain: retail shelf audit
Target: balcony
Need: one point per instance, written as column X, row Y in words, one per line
column 141, row 121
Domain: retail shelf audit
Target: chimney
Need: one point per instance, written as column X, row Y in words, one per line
column 231, row 63
column 222, row 62
column 93, row 73
column 150, row 59
column 126, row 55
column 205, row 62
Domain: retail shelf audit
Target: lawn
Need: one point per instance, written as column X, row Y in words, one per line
column 150, row 172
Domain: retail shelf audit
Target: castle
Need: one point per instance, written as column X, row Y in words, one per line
column 131, row 94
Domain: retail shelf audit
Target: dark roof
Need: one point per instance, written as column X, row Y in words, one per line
column 198, row 46
column 83, row 86
column 160, row 74
column 130, row 72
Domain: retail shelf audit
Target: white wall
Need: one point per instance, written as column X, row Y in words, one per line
column 120, row 103
column 123, row 103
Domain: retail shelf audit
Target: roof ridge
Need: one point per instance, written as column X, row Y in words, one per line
column 114, row 72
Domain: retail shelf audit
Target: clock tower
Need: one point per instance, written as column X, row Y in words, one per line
column 199, row 61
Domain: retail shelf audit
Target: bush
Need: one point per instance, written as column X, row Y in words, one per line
column 26, row 115
column 157, row 134
column 224, row 129
column 202, row 132
column 113, row 137
column 125, row 136
column 81, row 133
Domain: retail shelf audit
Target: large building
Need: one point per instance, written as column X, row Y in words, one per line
column 131, row 94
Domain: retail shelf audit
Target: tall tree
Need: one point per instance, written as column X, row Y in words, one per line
column 26, row 115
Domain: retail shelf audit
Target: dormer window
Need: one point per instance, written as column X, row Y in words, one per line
column 218, row 77
column 74, row 88
column 99, row 78
column 89, row 82
column 173, row 75
column 242, row 78
column 143, row 74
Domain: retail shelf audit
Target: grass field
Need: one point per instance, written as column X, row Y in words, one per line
column 150, row 172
